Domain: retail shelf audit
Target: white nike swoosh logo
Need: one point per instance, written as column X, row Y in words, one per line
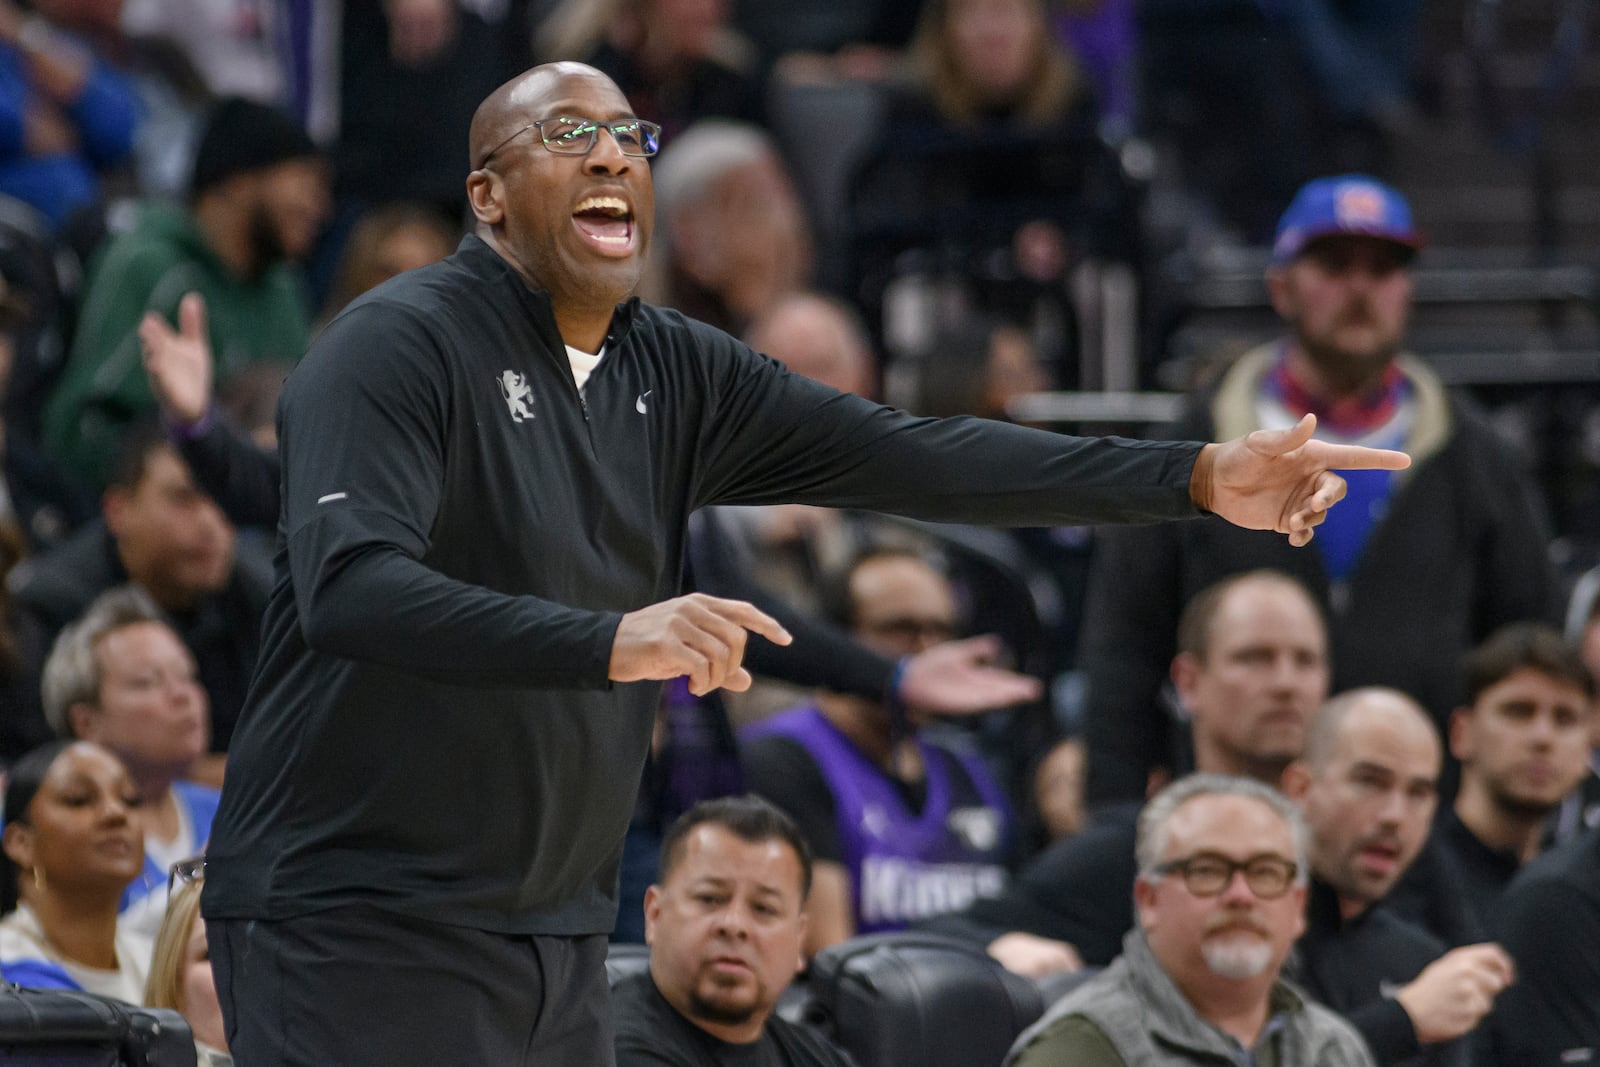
column 638, row 405
column 331, row 497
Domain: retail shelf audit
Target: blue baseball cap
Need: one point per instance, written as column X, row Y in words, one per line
column 1348, row 204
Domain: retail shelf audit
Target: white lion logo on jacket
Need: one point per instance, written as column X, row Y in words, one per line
column 514, row 387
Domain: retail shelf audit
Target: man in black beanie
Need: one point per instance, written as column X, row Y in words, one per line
column 222, row 269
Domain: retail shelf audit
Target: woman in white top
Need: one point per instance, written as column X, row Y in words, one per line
column 72, row 843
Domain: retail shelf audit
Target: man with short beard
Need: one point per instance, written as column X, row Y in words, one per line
column 1422, row 568
column 1368, row 786
column 1523, row 742
column 221, row 268
column 1221, row 898
column 1251, row 671
column 726, row 925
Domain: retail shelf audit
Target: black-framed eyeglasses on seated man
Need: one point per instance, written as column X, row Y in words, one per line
column 1207, row 873
column 192, row 869
column 569, row 136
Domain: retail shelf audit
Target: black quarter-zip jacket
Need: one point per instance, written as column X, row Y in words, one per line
column 431, row 729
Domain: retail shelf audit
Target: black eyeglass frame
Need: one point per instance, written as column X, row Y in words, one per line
column 1288, row 867
column 650, row 135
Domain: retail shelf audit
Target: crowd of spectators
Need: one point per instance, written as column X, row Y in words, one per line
column 190, row 190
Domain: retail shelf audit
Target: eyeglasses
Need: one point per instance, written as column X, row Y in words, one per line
column 935, row 631
column 567, row 136
column 1207, row 874
column 192, row 869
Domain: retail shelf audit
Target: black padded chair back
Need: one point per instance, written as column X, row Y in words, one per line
column 67, row 1028
column 919, row 1000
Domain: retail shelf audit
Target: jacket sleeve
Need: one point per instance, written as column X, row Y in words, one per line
column 234, row 471
column 821, row 655
column 777, row 437
column 1516, row 579
column 1073, row 1039
column 363, row 423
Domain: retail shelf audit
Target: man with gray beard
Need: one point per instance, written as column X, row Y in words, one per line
column 1221, row 893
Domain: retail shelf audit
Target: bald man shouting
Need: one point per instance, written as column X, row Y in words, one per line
column 488, row 464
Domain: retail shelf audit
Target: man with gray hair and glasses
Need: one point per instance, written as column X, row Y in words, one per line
column 1220, row 897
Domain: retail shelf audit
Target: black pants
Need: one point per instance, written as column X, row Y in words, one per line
column 355, row 985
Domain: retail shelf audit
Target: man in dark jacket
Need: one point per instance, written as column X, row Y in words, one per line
column 1416, row 570
column 726, row 923
column 1368, row 786
column 489, row 465
column 161, row 532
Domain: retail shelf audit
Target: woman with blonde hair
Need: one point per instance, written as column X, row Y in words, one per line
column 180, row 968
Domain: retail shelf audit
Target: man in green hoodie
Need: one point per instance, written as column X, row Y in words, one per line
column 258, row 198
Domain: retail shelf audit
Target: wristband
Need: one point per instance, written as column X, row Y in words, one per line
column 178, row 433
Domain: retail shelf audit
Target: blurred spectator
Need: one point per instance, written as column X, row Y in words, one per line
column 1226, row 90
column 1581, row 810
column 22, row 651
column 233, row 44
column 820, row 337
column 977, row 369
column 1549, row 921
column 122, row 678
column 260, row 197
column 180, row 969
column 160, row 532
column 987, row 166
column 731, row 236
column 388, row 240
column 36, row 499
column 830, row 38
column 903, row 827
column 1198, row 980
column 1368, row 787
column 1413, row 569
column 1361, row 54
column 1523, row 741
column 168, row 95
column 65, row 117
column 411, row 74
column 1251, row 670
column 677, row 61
column 725, row 925
column 1058, row 789
column 1104, row 35
column 72, row 843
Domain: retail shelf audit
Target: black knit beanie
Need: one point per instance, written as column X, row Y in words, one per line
column 243, row 135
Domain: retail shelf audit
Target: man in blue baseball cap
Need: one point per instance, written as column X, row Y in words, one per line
column 1424, row 565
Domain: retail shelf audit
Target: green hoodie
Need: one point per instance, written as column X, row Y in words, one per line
column 149, row 268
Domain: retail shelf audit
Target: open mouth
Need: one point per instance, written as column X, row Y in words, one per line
column 606, row 222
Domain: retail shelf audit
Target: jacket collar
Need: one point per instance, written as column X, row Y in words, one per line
column 1172, row 1018
column 481, row 260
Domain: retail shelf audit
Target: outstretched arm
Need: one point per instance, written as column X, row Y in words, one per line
column 1281, row 480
